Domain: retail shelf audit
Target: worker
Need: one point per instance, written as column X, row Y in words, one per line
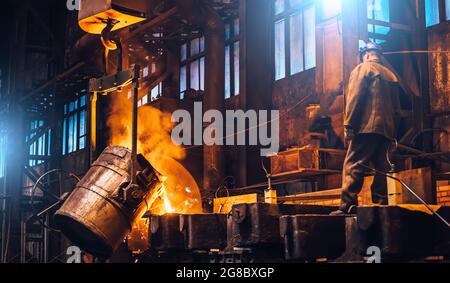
column 370, row 127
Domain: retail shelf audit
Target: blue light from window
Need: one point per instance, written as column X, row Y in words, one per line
column 195, row 72
column 236, row 68
column 227, row 32
column 183, row 81
column 280, row 50
column 227, row 72
column 183, row 52
column 310, row 37
column 202, row 73
column 378, row 10
column 296, row 43
column 279, row 6
column 447, row 8
column 431, row 12
column 331, row 8
column 41, row 145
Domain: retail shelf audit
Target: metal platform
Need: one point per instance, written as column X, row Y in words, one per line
column 278, row 233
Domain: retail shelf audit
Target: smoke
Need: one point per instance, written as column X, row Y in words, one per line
column 154, row 129
column 155, row 143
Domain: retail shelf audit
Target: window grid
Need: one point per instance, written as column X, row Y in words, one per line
column 74, row 125
column 378, row 10
column 232, row 58
column 447, row 10
column 436, row 11
column 41, row 146
column 294, row 37
column 154, row 95
column 192, row 68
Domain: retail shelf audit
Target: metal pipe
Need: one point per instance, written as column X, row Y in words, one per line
column 92, row 125
column 119, row 56
column 134, row 126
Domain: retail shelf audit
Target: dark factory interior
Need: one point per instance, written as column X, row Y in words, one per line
column 214, row 131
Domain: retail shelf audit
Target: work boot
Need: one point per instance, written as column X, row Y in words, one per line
column 344, row 211
column 337, row 213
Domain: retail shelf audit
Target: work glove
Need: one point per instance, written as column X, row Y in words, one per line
column 349, row 133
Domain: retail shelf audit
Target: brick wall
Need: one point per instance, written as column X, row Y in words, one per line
column 443, row 193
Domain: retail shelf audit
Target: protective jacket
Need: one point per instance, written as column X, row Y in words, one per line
column 372, row 100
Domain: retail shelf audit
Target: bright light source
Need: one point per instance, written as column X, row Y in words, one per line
column 331, row 8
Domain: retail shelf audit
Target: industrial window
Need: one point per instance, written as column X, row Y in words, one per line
column 378, row 13
column 148, row 70
column 40, row 142
column 295, row 40
column 447, row 9
column 431, row 12
column 154, row 94
column 74, row 125
column 192, row 70
column 232, row 58
column 436, row 11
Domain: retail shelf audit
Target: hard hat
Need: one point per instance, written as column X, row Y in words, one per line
column 370, row 46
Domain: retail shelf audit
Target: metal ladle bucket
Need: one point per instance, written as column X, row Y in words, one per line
column 100, row 211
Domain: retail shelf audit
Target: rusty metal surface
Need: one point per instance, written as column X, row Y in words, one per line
column 194, row 232
column 204, row 231
column 165, row 234
column 313, row 236
column 403, row 233
column 94, row 217
column 353, row 252
column 258, row 224
column 307, row 158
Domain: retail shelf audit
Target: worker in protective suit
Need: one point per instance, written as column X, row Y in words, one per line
column 370, row 127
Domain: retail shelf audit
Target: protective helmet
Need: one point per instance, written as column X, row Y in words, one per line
column 370, row 46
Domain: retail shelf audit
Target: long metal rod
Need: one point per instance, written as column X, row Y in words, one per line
column 134, row 131
column 409, row 189
column 92, row 128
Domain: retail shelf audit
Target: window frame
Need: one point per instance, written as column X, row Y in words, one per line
column 443, row 12
column 67, row 115
column 446, row 12
column 148, row 98
column 42, row 143
column 230, row 42
column 286, row 16
column 190, row 59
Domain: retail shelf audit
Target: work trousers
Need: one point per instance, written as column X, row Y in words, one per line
column 370, row 150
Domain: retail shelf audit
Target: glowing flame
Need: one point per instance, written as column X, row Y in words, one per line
column 153, row 131
column 167, row 205
column 178, row 193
